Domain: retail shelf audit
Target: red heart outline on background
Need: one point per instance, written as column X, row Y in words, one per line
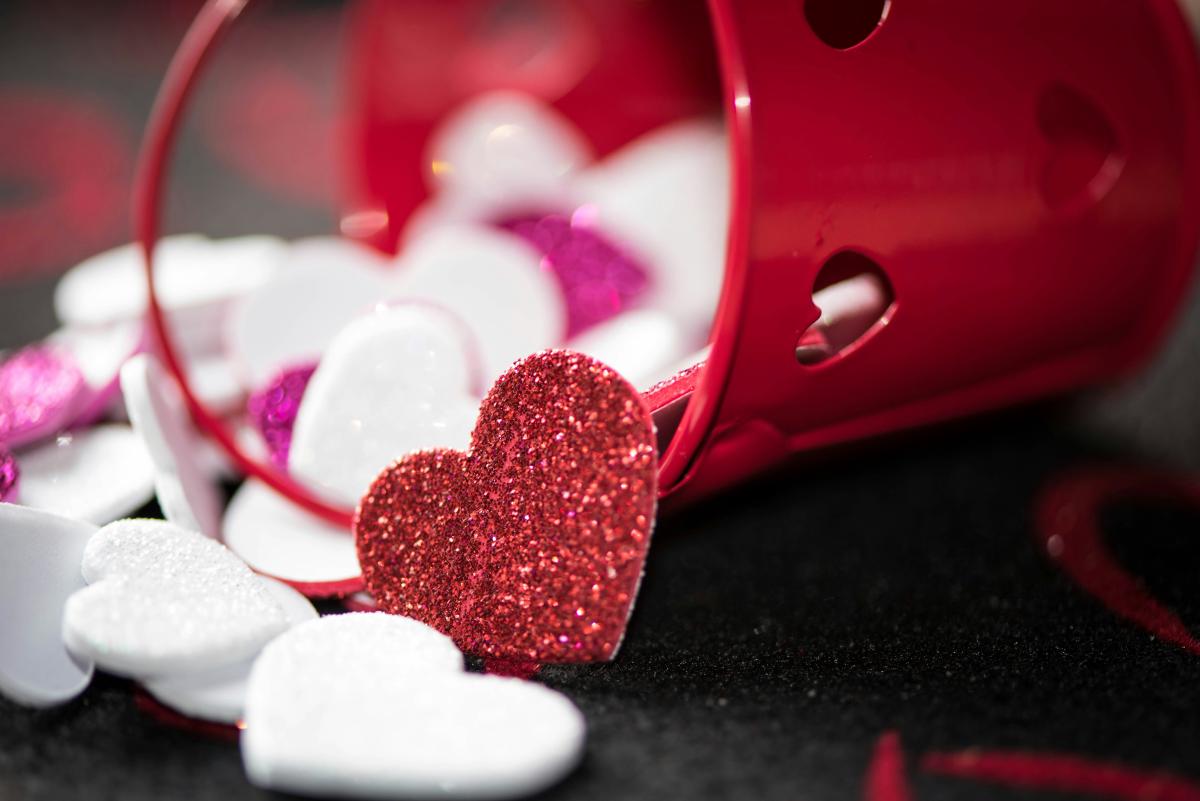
column 532, row 545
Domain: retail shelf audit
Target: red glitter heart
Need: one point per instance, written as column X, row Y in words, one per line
column 531, row 546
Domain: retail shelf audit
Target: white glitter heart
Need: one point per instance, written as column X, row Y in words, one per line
column 421, row 727
column 163, row 599
column 392, row 382
column 219, row 694
column 39, row 570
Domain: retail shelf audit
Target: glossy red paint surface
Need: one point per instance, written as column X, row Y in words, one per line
column 1031, row 188
column 1029, row 185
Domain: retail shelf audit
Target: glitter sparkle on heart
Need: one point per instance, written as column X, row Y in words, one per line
column 10, row 476
column 40, row 386
column 273, row 409
column 531, row 547
column 598, row 280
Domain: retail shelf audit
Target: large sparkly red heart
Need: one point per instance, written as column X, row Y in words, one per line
column 530, row 547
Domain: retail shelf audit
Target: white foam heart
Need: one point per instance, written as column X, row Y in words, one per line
column 276, row 537
column 39, row 570
column 95, row 474
column 321, row 285
column 219, row 694
column 495, row 283
column 641, row 345
column 187, row 493
column 162, row 599
column 503, row 148
column 422, row 728
column 392, row 382
column 666, row 198
column 196, row 278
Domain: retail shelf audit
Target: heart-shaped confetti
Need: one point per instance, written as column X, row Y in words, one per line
column 96, row 474
column 323, row 283
column 494, row 282
column 197, row 280
column 503, row 148
column 279, row 539
column 162, row 599
column 41, row 391
column 665, row 198
column 421, row 728
column 272, row 409
column 219, row 694
column 598, row 280
column 186, row 491
column 530, row 547
column 392, row 382
column 38, row 572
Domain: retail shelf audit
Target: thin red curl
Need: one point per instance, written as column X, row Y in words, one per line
column 1064, row 773
column 1068, row 530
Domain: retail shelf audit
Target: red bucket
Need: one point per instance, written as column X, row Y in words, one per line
column 1023, row 178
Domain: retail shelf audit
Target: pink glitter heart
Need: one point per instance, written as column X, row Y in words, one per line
column 9, row 476
column 41, row 388
column 273, row 410
column 598, row 280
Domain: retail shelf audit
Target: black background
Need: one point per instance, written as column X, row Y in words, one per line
column 784, row 626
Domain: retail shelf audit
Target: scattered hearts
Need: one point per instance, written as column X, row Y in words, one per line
column 421, row 727
column 38, row 573
column 392, row 382
column 41, row 389
column 597, row 280
column 501, row 151
column 530, row 547
column 97, row 474
column 321, row 285
column 219, row 694
column 162, row 599
column 279, row 539
column 518, row 528
column 186, row 490
column 196, row 280
column 272, row 409
column 513, row 306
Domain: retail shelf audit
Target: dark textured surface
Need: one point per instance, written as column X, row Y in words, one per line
column 783, row 626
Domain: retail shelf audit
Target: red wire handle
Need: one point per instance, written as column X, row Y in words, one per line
column 198, row 45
